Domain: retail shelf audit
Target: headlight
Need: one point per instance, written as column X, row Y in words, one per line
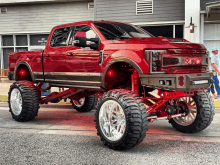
column 154, row 57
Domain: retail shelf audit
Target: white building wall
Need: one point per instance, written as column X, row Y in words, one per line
column 192, row 9
column 34, row 20
column 42, row 17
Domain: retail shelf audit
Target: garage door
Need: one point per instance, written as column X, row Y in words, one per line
column 212, row 36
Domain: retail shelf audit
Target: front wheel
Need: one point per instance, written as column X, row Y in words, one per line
column 121, row 119
column 199, row 111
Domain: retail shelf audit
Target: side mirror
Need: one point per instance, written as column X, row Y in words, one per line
column 80, row 37
column 81, row 42
column 96, row 43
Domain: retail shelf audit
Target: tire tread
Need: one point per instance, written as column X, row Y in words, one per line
column 30, row 100
column 136, row 118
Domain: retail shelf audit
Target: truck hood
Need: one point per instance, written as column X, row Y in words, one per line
column 162, row 43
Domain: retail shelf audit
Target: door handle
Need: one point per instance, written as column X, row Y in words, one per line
column 47, row 55
column 69, row 53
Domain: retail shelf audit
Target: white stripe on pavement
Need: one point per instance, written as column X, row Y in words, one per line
column 4, row 108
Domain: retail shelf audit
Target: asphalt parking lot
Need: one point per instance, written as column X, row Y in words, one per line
column 60, row 135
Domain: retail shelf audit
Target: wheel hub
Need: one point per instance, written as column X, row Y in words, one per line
column 187, row 105
column 16, row 101
column 112, row 120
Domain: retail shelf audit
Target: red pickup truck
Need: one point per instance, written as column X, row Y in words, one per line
column 123, row 72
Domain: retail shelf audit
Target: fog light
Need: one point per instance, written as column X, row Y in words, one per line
column 168, row 82
column 162, row 82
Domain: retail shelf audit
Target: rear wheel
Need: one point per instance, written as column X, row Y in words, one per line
column 23, row 101
column 199, row 111
column 121, row 119
column 85, row 104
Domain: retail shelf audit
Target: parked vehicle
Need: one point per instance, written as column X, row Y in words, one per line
column 121, row 65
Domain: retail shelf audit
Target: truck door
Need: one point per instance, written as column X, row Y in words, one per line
column 83, row 63
column 55, row 56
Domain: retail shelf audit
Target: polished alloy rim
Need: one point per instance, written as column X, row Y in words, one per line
column 112, row 120
column 191, row 107
column 80, row 102
column 16, row 101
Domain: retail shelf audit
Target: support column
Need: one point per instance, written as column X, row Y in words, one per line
column 1, row 52
column 202, row 29
column 192, row 9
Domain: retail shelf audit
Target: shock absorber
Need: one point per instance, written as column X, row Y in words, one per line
column 135, row 82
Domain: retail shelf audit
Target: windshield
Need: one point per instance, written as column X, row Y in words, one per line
column 113, row 31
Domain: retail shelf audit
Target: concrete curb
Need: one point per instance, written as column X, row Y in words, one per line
column 6, row 81
column 3, row 104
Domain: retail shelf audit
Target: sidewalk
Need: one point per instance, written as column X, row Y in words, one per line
column 4, row 87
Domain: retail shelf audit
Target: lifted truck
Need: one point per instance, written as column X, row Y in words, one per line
column 121, row 65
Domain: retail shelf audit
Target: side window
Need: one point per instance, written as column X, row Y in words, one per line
column 89, row 33
column 60, row 37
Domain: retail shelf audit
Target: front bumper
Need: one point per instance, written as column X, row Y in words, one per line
column 195, row 81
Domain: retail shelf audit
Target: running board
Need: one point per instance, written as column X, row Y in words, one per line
column 77, row 86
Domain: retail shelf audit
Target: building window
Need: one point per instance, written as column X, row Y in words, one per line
column 6, row 52
column 20, row 43
column 7, row 40
column 144, row 7
column 21, row 40
column 166, row 31
column 178, row 31
column 7, row 47
column 38, row 39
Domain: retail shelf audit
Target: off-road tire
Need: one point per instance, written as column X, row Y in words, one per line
column 135, row 116
column 30, row 101
column 205, row 113
column 89, row 104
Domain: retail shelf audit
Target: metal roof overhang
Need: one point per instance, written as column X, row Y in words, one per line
column 213, row 7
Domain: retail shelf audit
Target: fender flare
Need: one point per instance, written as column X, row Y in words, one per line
column 29, row 68
column 120, row 59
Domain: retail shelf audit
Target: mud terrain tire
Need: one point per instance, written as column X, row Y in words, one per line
column 88, row 104
column 204, row 117
column 23, row 101
column 135, row 119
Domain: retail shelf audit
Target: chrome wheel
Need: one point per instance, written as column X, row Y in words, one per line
column 16, row 101
column 112, row 120
column 80, row 102
column 187, row 105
